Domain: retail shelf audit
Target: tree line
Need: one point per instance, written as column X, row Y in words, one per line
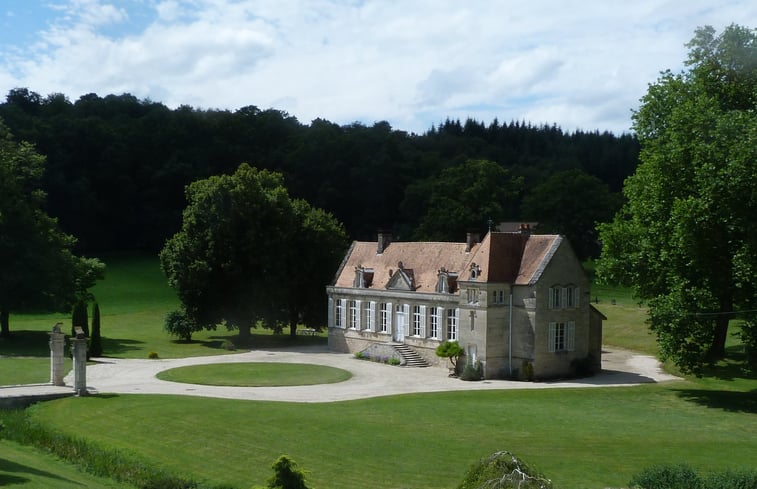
column 117, row 168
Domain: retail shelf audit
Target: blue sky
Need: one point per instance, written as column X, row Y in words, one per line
column 580, row 64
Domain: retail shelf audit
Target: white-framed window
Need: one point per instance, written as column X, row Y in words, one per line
column 369, row 315
column 472, row 296
column 436, row 322
column 419, row 321
column 562, row 336
column 452, row 321
column 354, row 318
column 498, row 297
column 563, row 297
column 385, row 313
column 340, row 313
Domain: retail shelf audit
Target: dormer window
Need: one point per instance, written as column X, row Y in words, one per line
column 446, row 281
column 475, row 271
column 363, row 277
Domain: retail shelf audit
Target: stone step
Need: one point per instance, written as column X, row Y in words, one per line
column 412, row 358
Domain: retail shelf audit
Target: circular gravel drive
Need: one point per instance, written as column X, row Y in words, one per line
column 369, row 379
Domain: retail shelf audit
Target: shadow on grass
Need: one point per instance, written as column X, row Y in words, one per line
column 8, row 466
column 732, row 401
column 117, row 346
column 26, row 343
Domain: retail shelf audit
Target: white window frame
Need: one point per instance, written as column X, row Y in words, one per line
column 369, row 316
column 436, row 321
column 453, row 330
column 385, row 311
column 341, row 313
column 419, row 320
column 562, row 336
column 354, row 314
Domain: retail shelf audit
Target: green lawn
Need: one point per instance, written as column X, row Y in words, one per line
column 589, row 438
column 256, row 374
column 28, row 468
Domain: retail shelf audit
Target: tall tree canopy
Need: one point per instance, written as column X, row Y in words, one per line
column 466, row 197
column 38, row 270
column 248, row 253
column 572, row 203
column 687, row 237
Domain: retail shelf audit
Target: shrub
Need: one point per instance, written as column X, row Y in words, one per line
column 667, row 477
column 527, row 370
column 451, row 350
column 178, row 323
column 153, row 355
column 732, row 479
column 394, row 361
column 503, row 470
column 79, row 318
column 96, row 343
column 286, row 475
column 472, row 372
column 228, row 345
column 360, row 355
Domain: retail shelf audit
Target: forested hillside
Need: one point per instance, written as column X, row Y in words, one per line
column 117, row 167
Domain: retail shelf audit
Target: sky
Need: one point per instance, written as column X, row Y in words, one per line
column 579, row 64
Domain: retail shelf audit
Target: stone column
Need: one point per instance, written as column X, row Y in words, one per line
column 57, row 361
column 79, row 350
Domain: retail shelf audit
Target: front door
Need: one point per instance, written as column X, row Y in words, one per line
column 399, row 324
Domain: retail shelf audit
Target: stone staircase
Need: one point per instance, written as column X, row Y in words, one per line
column 412, row 359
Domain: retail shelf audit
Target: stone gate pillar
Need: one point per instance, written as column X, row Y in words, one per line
column 79, row 350
column 57, row 347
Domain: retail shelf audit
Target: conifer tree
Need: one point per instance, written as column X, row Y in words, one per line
column 96, row 346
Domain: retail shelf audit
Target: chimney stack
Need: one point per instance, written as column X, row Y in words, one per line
column 525, row 229
column 471, row 238
column 384, row 240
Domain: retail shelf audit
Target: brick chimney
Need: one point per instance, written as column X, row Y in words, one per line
column 471, row 238
column 384, row 240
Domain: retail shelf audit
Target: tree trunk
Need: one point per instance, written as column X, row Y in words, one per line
column 244, row 334
column 5, row 331
column 293, row 328
column 719, row 336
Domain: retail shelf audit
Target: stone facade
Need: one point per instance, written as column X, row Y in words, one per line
column 517, row 303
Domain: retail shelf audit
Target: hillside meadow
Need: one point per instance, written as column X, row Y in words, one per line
column 580, row 438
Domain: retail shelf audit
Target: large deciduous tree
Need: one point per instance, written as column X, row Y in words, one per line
column 687, row 238
column 572, row 203
column 248, row 253
column 466, row 197
column 38, row 270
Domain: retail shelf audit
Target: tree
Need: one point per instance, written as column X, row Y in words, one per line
column 248, row 253
column 465, row 197
column 572, row 203
column 685, row 240
column 39, row 271
column 178, row 323
column 79, row 318
column 96, row 344
column 451, row 350
column 286, row 475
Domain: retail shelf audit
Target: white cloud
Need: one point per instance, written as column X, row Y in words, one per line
column 578, row 64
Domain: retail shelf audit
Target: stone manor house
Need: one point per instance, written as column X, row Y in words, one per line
column 516, row 302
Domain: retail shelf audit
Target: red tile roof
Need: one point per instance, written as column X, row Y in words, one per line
column 502, row 257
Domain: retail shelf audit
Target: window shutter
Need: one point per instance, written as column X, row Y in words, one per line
column 330, row 320
column 389, row 317
column 551, row 297
column 423, row 321
column 551, row 338
column 359, row 312
column 576, row 295
column 372, row 316
column 564, row 301
column 570, row 336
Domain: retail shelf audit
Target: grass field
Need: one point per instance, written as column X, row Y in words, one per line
column 256, row 374
column 590, row 438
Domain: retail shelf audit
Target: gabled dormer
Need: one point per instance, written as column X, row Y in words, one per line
column 363, row 277
column 401, row 279
column 446, row 281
